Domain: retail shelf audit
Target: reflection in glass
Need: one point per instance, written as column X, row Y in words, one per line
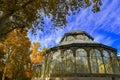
column 97, row 65
column 115, row 64
column 68, row 61
column 48, row 66
column 107, row 61
column 80, row 37
column 81, row 61
column 56, row 63
column 70, row 38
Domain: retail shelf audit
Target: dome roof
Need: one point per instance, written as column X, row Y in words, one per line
column 77, row 31
column 77, row 36
column 79, row 56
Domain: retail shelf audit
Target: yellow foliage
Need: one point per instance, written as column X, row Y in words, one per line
column 16, row 46
column 17, row 41
column 28, row 74
column 37, row 56
column 35, row 49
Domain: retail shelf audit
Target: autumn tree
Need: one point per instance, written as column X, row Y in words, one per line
column 20, row 14
column 1, row 60
column 36, row 54
column 16, row 56
column 1, row 56
column 37, row 59
column 16, row 48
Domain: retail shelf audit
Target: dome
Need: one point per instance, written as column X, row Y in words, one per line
column 75, row 36
column 78, row 57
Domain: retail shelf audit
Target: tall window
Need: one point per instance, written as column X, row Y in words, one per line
column 81, row 61
column 56, row 63
column 96, row 62
column 115, row 64
column 47, row 64
column 70, row 38
column 68, row 62
column 107, row 61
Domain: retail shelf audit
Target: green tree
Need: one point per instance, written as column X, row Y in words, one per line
column 22, row 14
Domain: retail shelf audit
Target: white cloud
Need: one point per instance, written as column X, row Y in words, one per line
column 118, row 54
column 104, row 39
column 107, row 20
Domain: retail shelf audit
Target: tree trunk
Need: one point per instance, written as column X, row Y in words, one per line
column 9, row 55
column 3, row 77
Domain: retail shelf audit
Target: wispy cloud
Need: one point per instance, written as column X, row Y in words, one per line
column 102, row 25
column 104, row 39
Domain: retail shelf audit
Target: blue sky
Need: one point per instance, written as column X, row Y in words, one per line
column 104, row 26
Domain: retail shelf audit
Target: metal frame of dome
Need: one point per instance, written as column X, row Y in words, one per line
column 76, row 33
column 87, row 47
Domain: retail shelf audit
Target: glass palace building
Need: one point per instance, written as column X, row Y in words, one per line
column 78, row 57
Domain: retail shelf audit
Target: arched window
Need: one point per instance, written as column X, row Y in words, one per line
column 107, row 61
column 115, row 64
column 80, row 37
column 70, row 38
column 47, row 65
column 68, row 61
column 96, row 62
column 81, row 61
column 56, row 63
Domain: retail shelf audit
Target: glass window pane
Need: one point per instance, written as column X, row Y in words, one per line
column 70, row 38
column 96, row 62
column 68, row 61
column 80, row 37
column 107, row 61
column 81, row 61
column 115, row 64
column 56, row 62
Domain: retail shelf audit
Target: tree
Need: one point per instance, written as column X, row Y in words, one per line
column 1, row 57
column 19, row 14
column 17, row 55
column 37, row 59
column 36, row 55
column 1, row 60
column 17, row 58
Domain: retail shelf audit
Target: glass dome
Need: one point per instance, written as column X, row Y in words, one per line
column 78, row 57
